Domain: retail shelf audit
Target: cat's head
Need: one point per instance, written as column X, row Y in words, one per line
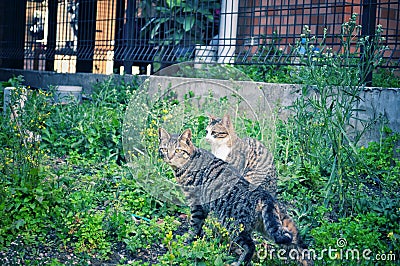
column 175, row 150
column 220, row 131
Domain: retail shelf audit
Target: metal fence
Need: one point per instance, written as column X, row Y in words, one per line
column 106, row 36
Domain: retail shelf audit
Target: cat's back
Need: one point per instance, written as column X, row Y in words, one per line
column 207, row 178
column 250, row 153
column 255, row 162
column 257, row 153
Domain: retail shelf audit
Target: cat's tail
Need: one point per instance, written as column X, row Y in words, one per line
column 296, row 248
column 273, row 224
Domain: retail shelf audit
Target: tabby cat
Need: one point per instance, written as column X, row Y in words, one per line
column 254, row 162
column 248, row 155
column 213, row 185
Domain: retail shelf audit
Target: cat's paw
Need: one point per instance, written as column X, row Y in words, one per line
column 283, row 237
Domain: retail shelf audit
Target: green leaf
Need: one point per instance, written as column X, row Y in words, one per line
column 210, row 17
column 188, row 23
column 173, row 3
column 204, row 11
column 158, row 23
column 218, row 261
column 178, row 37
column 188, row 9
column 19, row 223
column 34, row 171
column 39, row 199
column 163, row 9
column 180, row 20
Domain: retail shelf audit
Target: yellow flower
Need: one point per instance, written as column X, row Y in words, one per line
column 337, row 255
column 390, row 234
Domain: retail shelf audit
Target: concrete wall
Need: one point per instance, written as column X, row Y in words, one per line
column 375, row 101
column 44, row 79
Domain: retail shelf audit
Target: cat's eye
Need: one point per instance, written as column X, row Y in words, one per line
column 219, row 134
column 179, row 151
column 163, row 150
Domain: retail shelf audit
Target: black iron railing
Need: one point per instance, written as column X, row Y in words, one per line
column 105, row 36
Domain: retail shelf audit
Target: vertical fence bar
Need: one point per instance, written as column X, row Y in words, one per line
column 119, row 34
column 368, row 29
column 129, row 35
column 52, row 35
column 86, row 35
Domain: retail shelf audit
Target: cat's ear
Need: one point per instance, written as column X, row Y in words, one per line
column 186, row 136
column 212, row 118
column 163, row 134
column 226, row 121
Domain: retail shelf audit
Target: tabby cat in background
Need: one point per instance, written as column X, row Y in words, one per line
column 249, row 156
column 254, row 162
column 213, row 185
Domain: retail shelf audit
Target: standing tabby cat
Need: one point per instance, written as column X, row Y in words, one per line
column 248, row 155
column 212, row 185
column 254, row 162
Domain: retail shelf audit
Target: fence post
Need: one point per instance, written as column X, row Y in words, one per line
column 12, row 33
column 119, row 35
column 52, row 34
column 129, row 36
column 368, row 29
column 86, row 35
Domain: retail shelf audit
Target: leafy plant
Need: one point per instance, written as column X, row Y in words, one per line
column 212, row 249
column 270, row 73
column 179, row 21
column 324, row 111
column 27, row 194
column 90, row 236
column 386, row 78
column 356, row 234
column 92, row 128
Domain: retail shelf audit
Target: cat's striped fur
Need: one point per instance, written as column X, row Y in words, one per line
column 254, row 162
column 212, row 185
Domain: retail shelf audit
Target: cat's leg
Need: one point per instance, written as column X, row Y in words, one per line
column 273, row 224
column 197, row 217
column 245, row 241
